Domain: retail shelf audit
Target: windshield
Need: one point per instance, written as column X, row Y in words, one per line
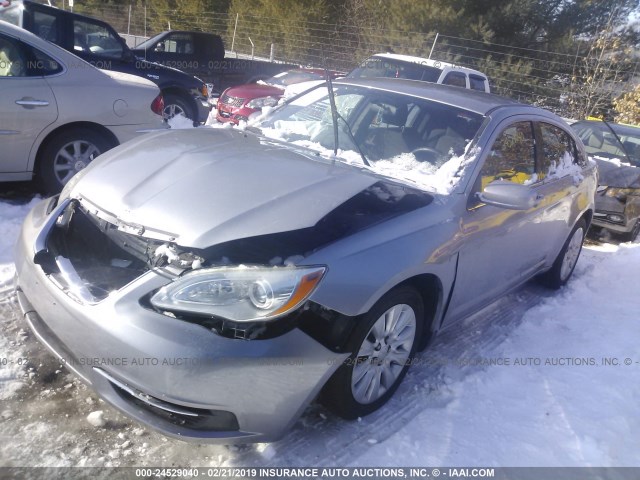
column 402, row 136
column 600, row 141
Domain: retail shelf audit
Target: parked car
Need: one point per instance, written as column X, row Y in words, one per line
column 616, row 149
column 391, row 65
column 58, row 113
column 238, row 103
column 281, row 265
column 203, row 54
column 98, row 43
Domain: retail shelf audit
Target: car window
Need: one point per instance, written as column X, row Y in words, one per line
column 457, row 79
column 90, row 37
column 512, row 156
column 176, row 43
column 18, row 59
column 476, row 82
column 558, row 149
column 13, row 62
column 45, row 26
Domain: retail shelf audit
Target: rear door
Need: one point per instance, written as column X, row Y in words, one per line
column 27, row 103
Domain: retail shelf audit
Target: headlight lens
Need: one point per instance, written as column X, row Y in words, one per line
column 241, row 294
column 262, row 102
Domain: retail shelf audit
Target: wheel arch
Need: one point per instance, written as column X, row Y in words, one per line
column 96, row 127
column 182, row 93
column 332, row 329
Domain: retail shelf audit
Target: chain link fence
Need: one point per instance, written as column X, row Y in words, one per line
column 576, row 83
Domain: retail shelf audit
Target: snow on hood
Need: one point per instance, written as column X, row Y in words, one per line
column 207, row 186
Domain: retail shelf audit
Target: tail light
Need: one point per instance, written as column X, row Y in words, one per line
column 204, row 91
column 157, row 106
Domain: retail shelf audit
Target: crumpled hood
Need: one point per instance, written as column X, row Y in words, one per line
column 207, row 186
column 619, row 176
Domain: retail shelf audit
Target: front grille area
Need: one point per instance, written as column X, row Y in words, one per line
column 89, row 258
column 231, row 101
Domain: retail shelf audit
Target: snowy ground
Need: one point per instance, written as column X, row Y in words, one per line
column 555, row 403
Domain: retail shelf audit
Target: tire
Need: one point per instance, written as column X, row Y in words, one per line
column 66, row 154
column 175, row 105
column 567, row 259
column 633, row 234
column 361, row 385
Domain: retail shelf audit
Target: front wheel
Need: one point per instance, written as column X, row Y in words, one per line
column 567, row 259
column 383, row 345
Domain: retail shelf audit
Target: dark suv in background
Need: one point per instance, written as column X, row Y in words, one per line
column 99, row 44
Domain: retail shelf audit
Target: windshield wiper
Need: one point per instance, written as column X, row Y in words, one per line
column 335, row 116
column 624, row 150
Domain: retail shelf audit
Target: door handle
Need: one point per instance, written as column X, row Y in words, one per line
column 30, row 102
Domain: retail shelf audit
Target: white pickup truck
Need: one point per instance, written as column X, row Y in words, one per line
column 391, row 65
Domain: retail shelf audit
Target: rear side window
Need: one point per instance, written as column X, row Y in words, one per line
column 476, row 82
column 457, row 79
column 558, row 151
column 18, row 59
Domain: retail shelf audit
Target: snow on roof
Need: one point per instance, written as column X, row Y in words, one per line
column 426, row 61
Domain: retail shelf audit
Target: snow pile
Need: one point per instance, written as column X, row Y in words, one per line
column 559, row 402
column 11, row 217
column 97, row 419
column 179, row 122
column 565, row 166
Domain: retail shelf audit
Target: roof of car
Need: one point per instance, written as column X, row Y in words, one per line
column 472, row 100
column 426, row 61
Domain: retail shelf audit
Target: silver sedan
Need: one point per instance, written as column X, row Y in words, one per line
column 58, row 113
column 210, row 283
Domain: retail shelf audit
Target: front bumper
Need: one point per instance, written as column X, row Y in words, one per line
column 176, row 377
column 226, row 113
column 203, row 108
column 613, row 214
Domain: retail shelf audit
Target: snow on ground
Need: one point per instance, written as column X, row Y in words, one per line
column 522, row 383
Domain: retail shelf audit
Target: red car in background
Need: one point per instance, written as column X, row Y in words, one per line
column 236, row 104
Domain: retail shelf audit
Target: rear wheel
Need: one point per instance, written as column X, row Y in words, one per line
column 66, row 154
column 383, row 345
column 176, row 105
column 567, row 259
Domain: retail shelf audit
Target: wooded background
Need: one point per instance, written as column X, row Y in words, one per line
column 576, row 57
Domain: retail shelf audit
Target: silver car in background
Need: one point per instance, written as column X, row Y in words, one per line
column 210, row 283
column 58, row 113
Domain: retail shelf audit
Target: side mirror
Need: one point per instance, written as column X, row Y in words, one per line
column 505, row 194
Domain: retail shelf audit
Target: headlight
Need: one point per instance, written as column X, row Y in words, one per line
column 262, row 102
column 241, row 294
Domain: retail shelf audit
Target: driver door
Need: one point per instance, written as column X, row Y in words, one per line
column 500, row 246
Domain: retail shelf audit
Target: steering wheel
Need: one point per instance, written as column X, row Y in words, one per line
column 426, row 154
